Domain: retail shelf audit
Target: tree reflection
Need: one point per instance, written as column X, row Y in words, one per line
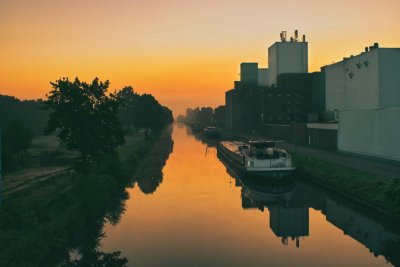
column 87, row 228
column 42, row 226
column 149, row 173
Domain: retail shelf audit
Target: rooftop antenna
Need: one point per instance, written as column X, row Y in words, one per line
column 283, row 36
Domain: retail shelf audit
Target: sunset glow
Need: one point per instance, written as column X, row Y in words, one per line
column 185, row 53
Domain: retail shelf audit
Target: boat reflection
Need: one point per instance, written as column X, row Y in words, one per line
column 207, row 140
column 287, row 221
column 288, row 203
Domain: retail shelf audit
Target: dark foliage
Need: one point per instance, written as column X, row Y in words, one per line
column 142, row 111
column 16, row 138
column 29, row 112
column 87, row 118
column 206, row 116
column 128, row 100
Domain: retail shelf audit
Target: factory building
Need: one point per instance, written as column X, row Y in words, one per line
column 263, row 77
column 287, row 57
column 364, row 91
column 373, row 132
column 249, row 73
column 370, row 80
column 280, row 94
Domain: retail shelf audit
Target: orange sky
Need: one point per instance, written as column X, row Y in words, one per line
column 186, row 53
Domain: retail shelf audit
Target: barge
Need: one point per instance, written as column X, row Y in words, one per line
column 257, row 158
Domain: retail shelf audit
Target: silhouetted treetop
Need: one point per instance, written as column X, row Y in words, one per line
column 85, row 117
column 128, row 100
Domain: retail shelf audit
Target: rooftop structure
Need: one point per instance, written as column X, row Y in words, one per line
column 287, row 57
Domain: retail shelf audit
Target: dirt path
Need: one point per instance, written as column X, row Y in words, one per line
column 28, row 177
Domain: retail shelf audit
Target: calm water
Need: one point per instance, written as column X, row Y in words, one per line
column 199, row 214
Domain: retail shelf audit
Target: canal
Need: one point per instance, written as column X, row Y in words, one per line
column 194, row 211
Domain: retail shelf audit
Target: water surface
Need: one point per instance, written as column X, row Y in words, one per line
column 199, row 214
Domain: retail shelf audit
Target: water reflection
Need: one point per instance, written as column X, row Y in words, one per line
column 149, row 173
column 288, row 203
column 287, row 221
column 200, row 213
column 85, row 248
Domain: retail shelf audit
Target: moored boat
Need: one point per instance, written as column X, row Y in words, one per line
column 258, row 158
column 211, row 131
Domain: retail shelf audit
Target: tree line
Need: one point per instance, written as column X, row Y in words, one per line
column 84, row 116
column 204, row 116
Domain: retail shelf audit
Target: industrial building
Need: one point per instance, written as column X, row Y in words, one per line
column 263, row 76
column 249, row 73
column 364, row 91
column 321, row 109
column 373, row 132
column 287, row 57
column 370, row 80
column 284, row 92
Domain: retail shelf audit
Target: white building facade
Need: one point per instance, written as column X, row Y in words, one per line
column 365, row 92
column 287, row 57
column 370, row 80
column 373, row 132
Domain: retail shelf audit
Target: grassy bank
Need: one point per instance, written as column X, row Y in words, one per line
column 60, row 219
column 381, row 194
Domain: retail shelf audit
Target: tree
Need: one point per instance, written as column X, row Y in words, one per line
column 128, row 100
column 17, row 138
column 149, row 114
column 29, row 112
column 85, row 117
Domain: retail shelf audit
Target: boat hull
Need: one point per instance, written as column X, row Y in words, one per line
column 272, row 173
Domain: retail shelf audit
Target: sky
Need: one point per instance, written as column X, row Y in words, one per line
column 185, row 53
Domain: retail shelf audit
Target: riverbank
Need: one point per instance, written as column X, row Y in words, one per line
column 377, row 193
column 378, row 188
column 59, row 217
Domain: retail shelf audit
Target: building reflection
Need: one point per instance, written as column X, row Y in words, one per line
column 288, row 222
column 288, row 204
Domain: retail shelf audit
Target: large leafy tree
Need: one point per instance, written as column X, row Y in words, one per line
column 85, row 117
column 128, row 100
column 149, row 114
